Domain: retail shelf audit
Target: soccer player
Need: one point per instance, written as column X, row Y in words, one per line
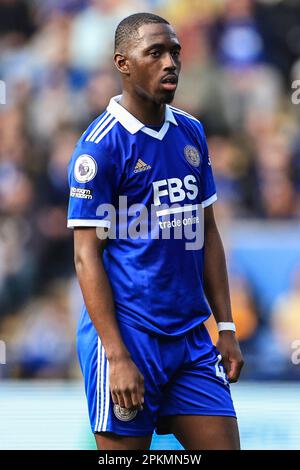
column 141, row 195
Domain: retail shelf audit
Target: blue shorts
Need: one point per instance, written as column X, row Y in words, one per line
column 183, row 375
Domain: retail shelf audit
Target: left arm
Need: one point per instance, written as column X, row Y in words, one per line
column 217, row 293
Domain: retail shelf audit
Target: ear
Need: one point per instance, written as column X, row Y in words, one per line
column 121, row 62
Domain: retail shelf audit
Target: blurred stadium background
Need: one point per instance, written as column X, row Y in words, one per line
column 240, row 59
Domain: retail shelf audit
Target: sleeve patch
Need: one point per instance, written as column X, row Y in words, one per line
column 85, row 168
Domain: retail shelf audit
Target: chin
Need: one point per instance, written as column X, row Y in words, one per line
column 166, row 98
column 169, row 99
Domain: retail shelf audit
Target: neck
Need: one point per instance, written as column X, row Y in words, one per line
column 143, row 109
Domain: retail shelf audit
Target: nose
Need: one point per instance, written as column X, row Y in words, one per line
column 169, row 63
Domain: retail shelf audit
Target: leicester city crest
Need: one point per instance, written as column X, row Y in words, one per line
column 123, row 414
column 192, row 155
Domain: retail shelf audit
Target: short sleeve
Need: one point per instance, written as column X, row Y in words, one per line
column 209, row 194
column 93, row 179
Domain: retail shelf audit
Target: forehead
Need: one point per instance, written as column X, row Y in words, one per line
column 156, row 33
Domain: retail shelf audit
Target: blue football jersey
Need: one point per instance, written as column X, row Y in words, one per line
column 149, row 187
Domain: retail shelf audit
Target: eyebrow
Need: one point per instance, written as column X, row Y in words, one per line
column 160, row 45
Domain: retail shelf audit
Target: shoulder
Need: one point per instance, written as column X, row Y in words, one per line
column 187, row 120
column 100, row 136
column 97, row 148
column 101, row 130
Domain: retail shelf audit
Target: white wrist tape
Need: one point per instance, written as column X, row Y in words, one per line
column 226, row 325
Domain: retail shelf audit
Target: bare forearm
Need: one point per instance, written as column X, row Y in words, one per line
column 99, row 302
column 217, row 292
column 215, row 276
column 125, row 380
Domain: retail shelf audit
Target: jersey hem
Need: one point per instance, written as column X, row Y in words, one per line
column 160, row 332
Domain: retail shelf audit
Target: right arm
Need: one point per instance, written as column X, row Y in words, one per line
column 126, row 381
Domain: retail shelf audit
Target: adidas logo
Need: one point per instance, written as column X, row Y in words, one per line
column 141, row 166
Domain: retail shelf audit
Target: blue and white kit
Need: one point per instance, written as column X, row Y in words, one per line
column 163, row 175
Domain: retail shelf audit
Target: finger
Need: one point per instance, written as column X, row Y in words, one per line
column 120, row 399
column 126, row 395
column 115, row 393
column 227, row 365
column 137, row 400
column 235, row 371
column 114, row 397
column 141, row 390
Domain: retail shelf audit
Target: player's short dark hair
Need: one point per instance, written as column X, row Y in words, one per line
column 127, row 28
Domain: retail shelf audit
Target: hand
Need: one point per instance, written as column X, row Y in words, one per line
column 126, row 383
column 232, row 357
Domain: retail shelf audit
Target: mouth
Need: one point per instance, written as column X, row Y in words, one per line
column 169, row 82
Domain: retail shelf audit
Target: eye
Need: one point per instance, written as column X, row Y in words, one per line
column 155, row 53
column 176, row 53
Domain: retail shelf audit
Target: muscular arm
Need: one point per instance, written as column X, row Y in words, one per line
column 217, row 292
column 126, row 382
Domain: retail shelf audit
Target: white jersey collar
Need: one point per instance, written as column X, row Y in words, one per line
column 132, row 124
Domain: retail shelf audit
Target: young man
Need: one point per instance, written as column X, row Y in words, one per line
column 147, row 359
